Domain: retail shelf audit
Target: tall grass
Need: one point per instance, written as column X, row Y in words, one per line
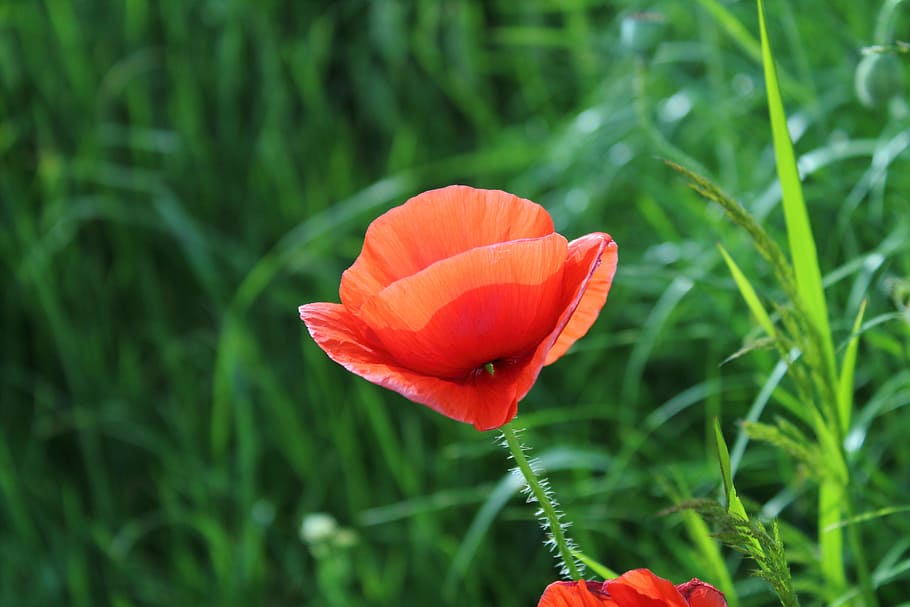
column 177, row 177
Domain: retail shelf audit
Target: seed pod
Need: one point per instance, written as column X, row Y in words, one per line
column 879, row 77
column 640, row 33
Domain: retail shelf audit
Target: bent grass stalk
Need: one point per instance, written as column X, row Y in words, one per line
column 549, row 515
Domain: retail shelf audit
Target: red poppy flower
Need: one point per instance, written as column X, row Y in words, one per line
column 576, row 594
column 458, row 299
column 636, row 588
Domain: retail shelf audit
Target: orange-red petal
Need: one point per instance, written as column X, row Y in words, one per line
column 575, row 594
column 480, row 399
column 700, row 594
column 433, row 226
column 486, row 305
column 641, row 588
column 595, row 255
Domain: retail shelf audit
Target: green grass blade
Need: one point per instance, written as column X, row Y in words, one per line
column 598, row 568
column 848, row 364
column 812, row 299
column 733, row 27
column 707, row 553
column 734, row 505
column 738, row 32
column 874, row 515
column 511, row 484
column 20, row 518
column 830, row 536
column 799, row 231
column 507, row 487
column 706, row 544
column 749, row 294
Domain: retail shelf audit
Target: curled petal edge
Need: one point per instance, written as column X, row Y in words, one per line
column 485, row 402
column 590, row 267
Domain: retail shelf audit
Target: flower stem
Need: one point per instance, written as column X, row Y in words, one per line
column 540, row 493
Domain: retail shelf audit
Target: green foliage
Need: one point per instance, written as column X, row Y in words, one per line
column 733, row 526
column 820, row 385
column 752, row 538
column 797, row 445
column 750, row 296
column 804, row 258
column 597, row 568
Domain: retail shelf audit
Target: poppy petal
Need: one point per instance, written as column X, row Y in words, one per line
column 700, row 594
column 433, row 226
column 641, row 588
column 575, row 594
column 491, row 304
column 346, row 340
column 596, row 255
column 487, row 401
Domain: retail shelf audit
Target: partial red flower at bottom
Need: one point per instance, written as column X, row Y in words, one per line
column 576, row 594
column 460, row 297
column 636, row 588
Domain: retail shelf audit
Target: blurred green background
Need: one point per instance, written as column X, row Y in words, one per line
column 177, row 177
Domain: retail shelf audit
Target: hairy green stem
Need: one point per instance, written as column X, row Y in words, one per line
column 546, row 504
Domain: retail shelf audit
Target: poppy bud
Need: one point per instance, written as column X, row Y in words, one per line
column 879, row 77
column 641, row 32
